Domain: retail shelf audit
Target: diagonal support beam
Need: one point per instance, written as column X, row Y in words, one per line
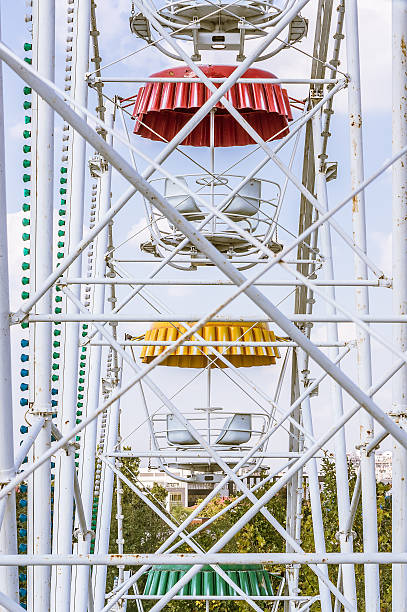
column 203, row 245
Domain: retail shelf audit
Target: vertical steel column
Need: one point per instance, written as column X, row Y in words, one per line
column 399, row 403
column 342, row 484
column 39, row 520
column 293, row 486
column 65, row 463
column 364, row 366
column 105, row 507
column 313, row 481
column 8, row 530
column 88, row 450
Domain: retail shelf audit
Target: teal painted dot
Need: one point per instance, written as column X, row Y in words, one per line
column 26, row 251
column 26, row 163
column 27, row 119
column 26, row 236
column 26, row 207
column 26, row 134
column 25, row 221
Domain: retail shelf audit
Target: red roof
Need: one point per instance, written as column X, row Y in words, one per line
column 162, row 109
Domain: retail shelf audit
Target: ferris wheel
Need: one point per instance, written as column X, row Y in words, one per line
column 191, row 252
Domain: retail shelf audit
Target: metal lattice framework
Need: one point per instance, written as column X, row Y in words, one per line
column 84, row 355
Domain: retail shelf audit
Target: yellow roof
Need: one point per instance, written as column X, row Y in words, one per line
column 198, row 356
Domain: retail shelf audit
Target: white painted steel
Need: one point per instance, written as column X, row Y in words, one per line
column 211, row 558
column 8, row 526
column 399, row 233
column 314, row 489
column 346, row 540
column 65, row 463
column 39, row 436
column 88, row 447
column 42, row 189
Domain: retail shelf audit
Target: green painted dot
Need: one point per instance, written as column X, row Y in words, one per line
column 26, row 148
column 62, row 191
column 25, row 295
column 60, row 255
column 27, row 119
column 55, row 355
column 54, row 377
column 58, row 298
column 58, row 310
column 64, row 170
column 56, row 344
column 26, row 251
column 27, row 47
column 26, row 207
column 26, row 236
column 28, row 60
column 26, row 134
column 61, row 222
column 25, row 280
column 25, row 265
column 57, row 332
column 25, row 221
column 61, row 246
column 26, row 163
column 26, row 105
column 61, row 233
column 26, row 178
column 81, row 380
column 24, row 325
column 55, row 366
column 27, row 90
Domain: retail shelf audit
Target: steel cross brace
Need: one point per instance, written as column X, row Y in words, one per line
column 246, row 126
column 199, row 241
column 230, row 473
column 184, row 536
column 217, row 258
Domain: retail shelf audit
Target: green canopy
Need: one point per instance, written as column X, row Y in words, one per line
column 252, row 579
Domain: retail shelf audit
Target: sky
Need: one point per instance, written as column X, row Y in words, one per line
column 116, row 42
